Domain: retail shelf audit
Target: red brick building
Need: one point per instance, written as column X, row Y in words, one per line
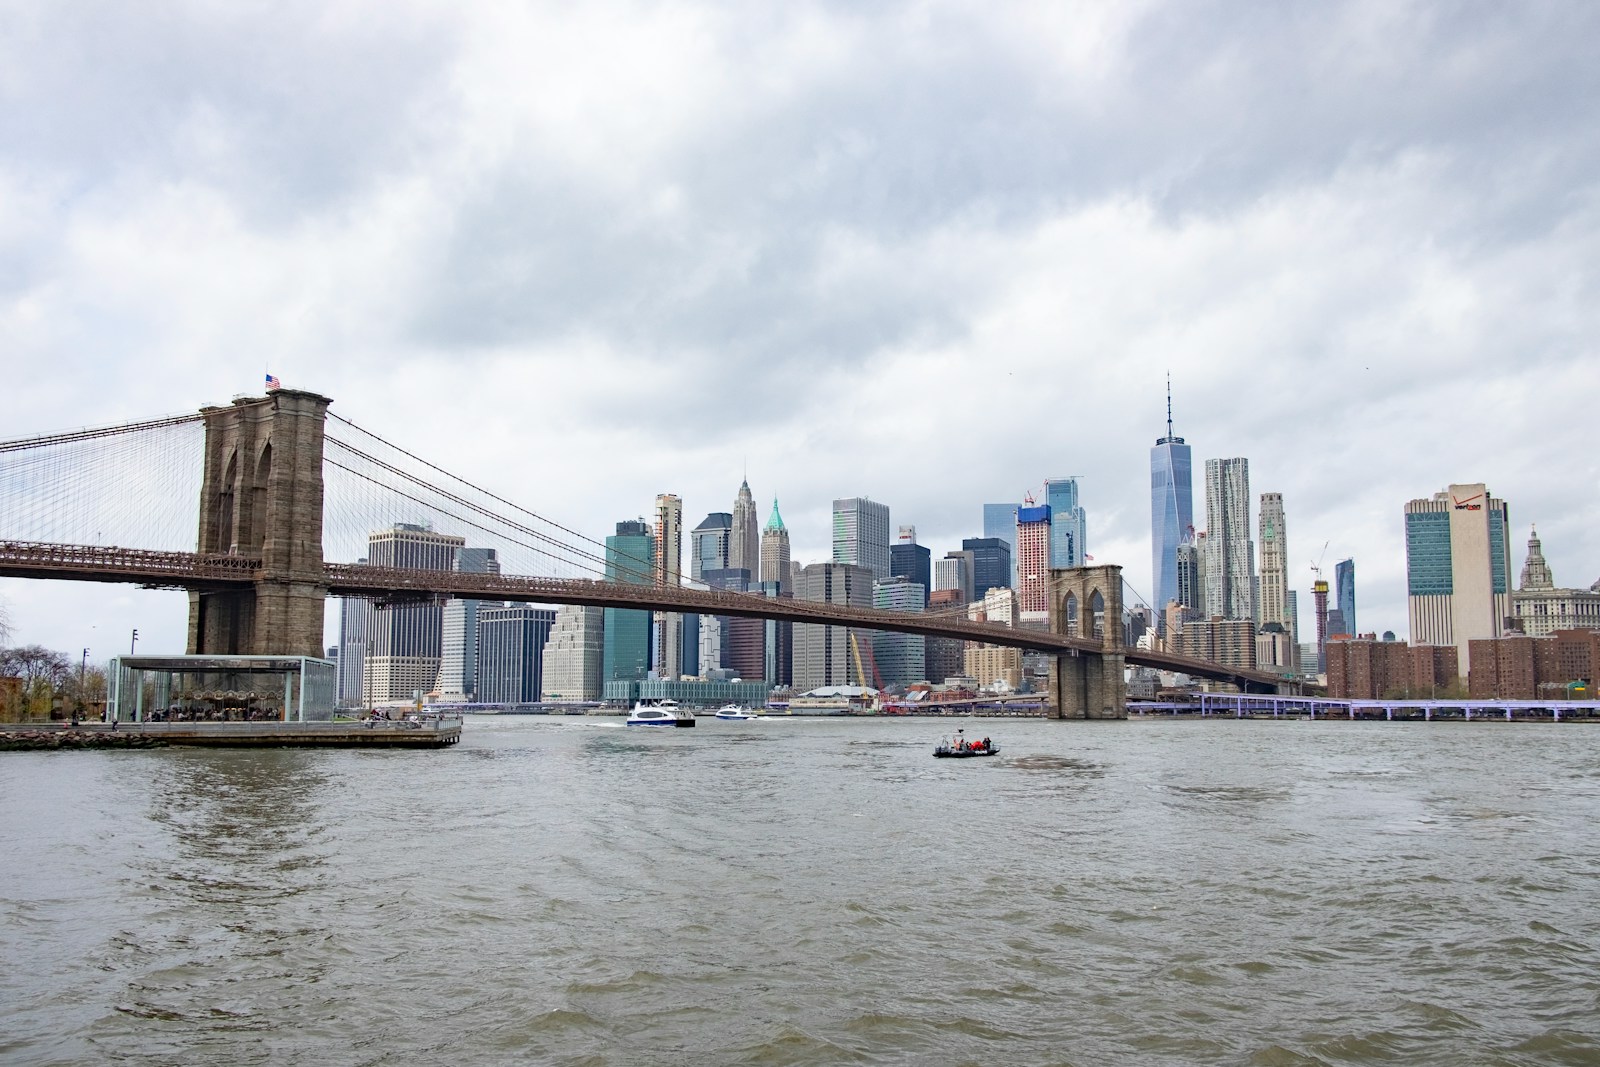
column 1520, row 667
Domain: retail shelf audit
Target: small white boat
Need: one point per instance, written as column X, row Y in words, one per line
column 665, row 713
column 735, row 712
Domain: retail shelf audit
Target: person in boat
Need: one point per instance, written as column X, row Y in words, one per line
column 986, row 744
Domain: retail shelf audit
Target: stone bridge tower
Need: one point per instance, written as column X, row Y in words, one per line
column 1087, row 602
column 261, row 497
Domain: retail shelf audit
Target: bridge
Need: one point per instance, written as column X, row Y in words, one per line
column 257, row 578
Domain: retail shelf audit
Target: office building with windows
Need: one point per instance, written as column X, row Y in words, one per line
column 823, row 654
column 405, row 641
column 511, row 643
column 775, row 562
column 991, row 564
column 1000, row 520
column 1230, row 560
column 630, row 558
column 861, row 534
column 1273, row 587
column 458, row 654
column 1068, row 522
column 1458, row 568
column 669, row 647
column 744, row 540
column 1344, row 573
column 1540, row 607
column 574, row 655
column 1033, row 565
column 911, row 561
column 708, row 544
column 901, row 658
column 1171, row 512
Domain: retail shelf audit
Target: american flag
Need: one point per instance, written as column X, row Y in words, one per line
column 273, row 383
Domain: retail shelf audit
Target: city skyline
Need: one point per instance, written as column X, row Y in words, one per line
column 485, row 278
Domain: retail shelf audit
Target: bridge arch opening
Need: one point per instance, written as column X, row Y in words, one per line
column 225, row 505
column 259, row 500
column 1097, row 614
column 1069, row 612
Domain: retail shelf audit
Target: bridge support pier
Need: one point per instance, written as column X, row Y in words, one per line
column 261, row 497
column 1087, row 602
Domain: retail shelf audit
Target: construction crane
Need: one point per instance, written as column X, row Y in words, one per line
column 1316, row 564
column 855, row 649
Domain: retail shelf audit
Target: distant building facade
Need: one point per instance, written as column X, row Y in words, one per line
column 775, row 562
column 1230, row 559
column 1171, row 511
column 1458, row 568
column 744, row 539
column 1068, row 522
column 901, row 658
column 1000, row 520
column 822, row 653
column 669, row 649
column 1033, row 563
column 861, row 534
column 991, row 564
column 911, row 561
column 404, row 641
column 573, row 655
column 630, row 558
column 511, row 644
column 1541, row 608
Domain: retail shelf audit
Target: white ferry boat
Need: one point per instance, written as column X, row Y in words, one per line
column 660, row 713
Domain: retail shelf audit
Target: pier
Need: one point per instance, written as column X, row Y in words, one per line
column 426, row 732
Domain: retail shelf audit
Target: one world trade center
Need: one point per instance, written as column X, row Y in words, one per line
column 1171, row 514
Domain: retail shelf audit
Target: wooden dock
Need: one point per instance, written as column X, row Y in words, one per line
column 428, row 733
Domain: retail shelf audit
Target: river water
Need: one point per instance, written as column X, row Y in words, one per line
column 813, row 891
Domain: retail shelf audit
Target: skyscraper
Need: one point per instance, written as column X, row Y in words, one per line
column 1000, row 520
column 354, row 619
column 1344, row 573
column 1458, row 568
column 511, row 643
column 954, row 572
column 573, row 655
column 1272, row 529
column 1171, row 513
column 901, row 658
column 1230, row 561
column 745, row 538
column 861, row 534
column 709, row 544
column 669, row 572
column 991, row 564
column 775, row 552
column 1033, row 564
column 458, row 654
column 631, row 558
column 1068, row 522
column 404, row 640
column 911, row 561
column 822, row 654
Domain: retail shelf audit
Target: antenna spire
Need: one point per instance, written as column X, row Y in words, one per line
column 1169, row 403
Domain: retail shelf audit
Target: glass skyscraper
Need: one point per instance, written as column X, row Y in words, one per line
column 1068, row 522
column 1000, row 520
column 861, row 534
column 631, row 558
column 1345, row 584
column 1171, row 514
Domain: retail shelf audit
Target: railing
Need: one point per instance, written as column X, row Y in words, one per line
column 38, row 559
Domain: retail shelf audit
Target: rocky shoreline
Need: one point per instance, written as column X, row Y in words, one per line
column 34, row 740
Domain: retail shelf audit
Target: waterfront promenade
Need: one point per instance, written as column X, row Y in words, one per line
column 1251, row 706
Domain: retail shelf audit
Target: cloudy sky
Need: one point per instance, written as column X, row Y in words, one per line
column 930, row 253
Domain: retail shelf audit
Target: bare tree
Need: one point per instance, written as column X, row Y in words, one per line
column 5, row 625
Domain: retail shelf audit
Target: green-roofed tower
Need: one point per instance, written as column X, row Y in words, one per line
column 775, row 551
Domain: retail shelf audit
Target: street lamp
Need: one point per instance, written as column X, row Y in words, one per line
column 78, row 704
column 133, row 641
